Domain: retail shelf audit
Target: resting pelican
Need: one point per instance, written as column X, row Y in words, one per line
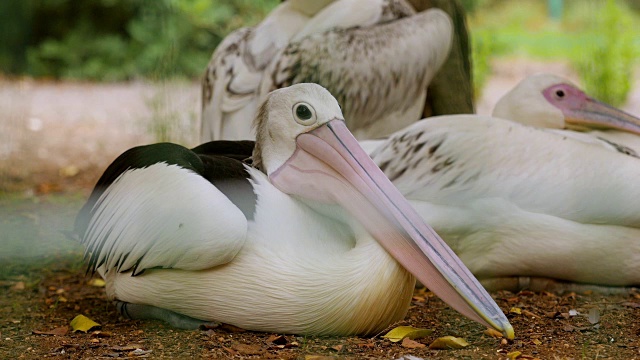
column 523, row 206
column 351, row 47
column 332, row 247
column 552, row 102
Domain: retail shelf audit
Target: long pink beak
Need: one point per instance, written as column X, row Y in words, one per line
column 329, row 166
column 582, row 112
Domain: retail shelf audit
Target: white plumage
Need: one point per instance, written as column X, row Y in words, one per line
column 518, row 201
column 332, row 247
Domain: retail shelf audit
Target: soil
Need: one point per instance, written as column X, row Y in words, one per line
column 548, row 326
column 56, row 138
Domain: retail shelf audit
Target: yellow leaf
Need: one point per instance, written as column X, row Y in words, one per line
column 82, row 323
column 514, row 355
column 97, row 282
column 448, row 342
column 410, row 332
column 537, row 342
column 515, row 310
column 493, row 333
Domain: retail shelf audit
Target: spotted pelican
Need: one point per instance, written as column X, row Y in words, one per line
column 331, row 248
column 376, row 57
column 527, row 206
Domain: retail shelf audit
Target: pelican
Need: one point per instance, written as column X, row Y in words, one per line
column 332, row 247
column 526, row 206
column 552, row 102
column 351, row 47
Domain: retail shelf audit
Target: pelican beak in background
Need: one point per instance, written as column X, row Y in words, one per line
column 329, row 166
column 582, row 112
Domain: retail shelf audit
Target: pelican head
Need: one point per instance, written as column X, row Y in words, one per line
column 306, row 150
column 549, row 101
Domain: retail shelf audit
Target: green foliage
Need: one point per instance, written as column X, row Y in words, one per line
column 606, row 63
column 597, row 36
column 483, row 47
column 154, row 39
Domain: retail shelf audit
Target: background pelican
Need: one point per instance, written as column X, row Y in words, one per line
column 357, row 60
column 520, row 204
column 552, row 102
column 325, row 252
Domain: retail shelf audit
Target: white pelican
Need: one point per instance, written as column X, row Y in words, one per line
column 552, row 102
column 521, row 205
column 378, row 68
column 331, row 248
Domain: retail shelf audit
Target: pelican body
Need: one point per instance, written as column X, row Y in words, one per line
column 528, row 206
column 516, row 201
column 377, row 57
column 313, row 239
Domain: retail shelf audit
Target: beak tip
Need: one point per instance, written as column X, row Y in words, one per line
column 508, row 331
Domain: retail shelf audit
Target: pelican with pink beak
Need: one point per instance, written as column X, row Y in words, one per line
column 317, row 240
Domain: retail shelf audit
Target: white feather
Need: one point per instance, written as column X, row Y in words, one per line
column 166, row 216
column 513, row 200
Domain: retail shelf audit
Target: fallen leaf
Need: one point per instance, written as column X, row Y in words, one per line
column 515, row 310
column 448, row 342
column 368, row 345
column 493, row 333
column 410, row 332
column 630, row 304
column 230, row 351
column 277, row 339
column 69, row 171
column 537, row 342
column 130, row 347
column 412, row 344
column 514, row 355
column 337, row 348
column 101, row 334
column 139, row 352
column 594, row 315
column 569, row 328
column 319, row 357
column 553, row 314
column 83, row 323
column 230, row 328
column 528, row 313
column 247, row 349
column 96, row 282
column 18, row 286
column 59, row 331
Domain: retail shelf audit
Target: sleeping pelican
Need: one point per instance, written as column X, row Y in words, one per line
column 351, row 47
column 332, row 247
column 523, row 206
column 552, row 102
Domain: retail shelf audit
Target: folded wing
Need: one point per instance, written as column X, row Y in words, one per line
column 156, row 206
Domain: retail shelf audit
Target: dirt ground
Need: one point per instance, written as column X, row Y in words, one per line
column 56, row 138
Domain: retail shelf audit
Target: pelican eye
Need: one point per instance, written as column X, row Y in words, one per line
column 304, row 114
column 560, row 94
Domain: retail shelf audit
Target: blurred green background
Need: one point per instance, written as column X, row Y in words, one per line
column 116, row 40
